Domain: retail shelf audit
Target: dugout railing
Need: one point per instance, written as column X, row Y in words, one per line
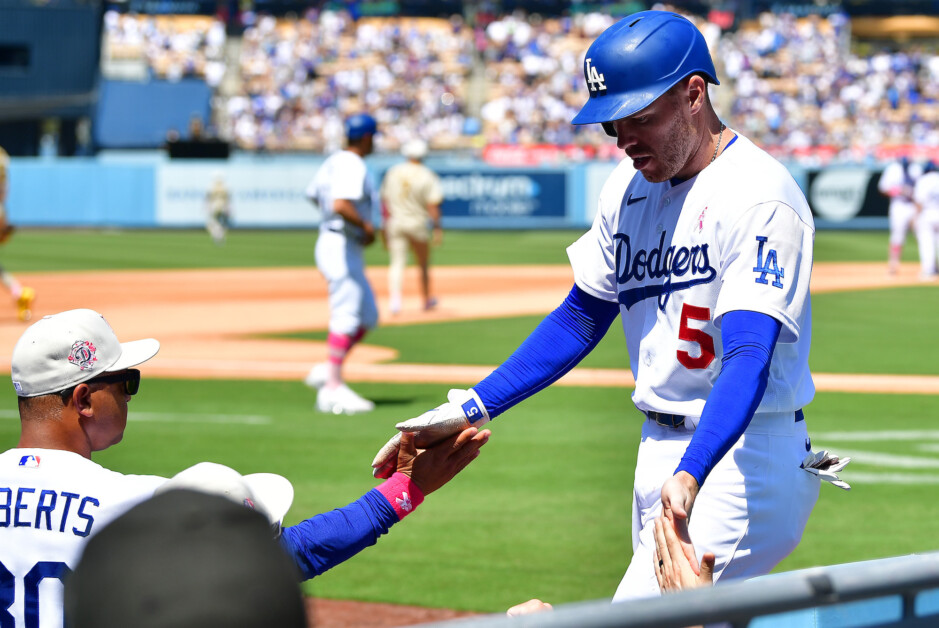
column 901, row 591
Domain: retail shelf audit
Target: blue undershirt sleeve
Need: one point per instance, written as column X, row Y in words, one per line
column 323, row 541
column 556, row 346
column 749, row 339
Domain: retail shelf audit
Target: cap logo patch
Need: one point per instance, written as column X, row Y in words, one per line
column 595, row 80
column 249, row 503
column 83, row 354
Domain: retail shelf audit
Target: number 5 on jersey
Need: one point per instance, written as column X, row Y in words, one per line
column 695, row 335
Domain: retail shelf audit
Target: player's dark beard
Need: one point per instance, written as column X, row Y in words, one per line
column 676, row 149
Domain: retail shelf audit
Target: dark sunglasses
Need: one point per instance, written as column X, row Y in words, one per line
column 130, row 378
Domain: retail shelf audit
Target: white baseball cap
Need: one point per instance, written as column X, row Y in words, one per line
column 65, row 349
column 268, row 493
column 414, row 149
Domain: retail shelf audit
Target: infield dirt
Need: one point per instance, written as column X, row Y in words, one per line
column 211, row 323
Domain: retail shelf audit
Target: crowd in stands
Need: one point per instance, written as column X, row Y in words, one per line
column 799, row 90
column 791, row 84
column 300, row 78
column 173, row 47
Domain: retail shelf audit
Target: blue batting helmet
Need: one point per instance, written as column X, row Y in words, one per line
column 360, row 125
column 638, row 59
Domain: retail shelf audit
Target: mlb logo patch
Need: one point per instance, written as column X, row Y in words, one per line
column 30, row 461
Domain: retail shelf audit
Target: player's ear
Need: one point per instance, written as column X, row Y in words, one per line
column 81, row 399
column 696, row 92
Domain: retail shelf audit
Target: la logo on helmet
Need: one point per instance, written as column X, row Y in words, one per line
column 594, row 78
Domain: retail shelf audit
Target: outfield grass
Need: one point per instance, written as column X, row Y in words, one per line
column 60, row 249
column 545, row 511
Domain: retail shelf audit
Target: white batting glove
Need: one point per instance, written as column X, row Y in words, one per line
column 462, row 410
column 826, row 466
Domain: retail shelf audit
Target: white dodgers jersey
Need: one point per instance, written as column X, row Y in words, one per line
column 678, row 256
column 51, row 502
column 344, row 175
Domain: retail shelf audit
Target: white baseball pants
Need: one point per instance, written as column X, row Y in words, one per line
column 751, row 510
column 351, row 300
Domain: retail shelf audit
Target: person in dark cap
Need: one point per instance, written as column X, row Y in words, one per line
column 185, row 559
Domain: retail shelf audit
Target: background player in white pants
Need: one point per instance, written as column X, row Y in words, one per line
column 706, row 256
column 411, row 197
column 897, row 183
column 926, row 196
column 346, row 194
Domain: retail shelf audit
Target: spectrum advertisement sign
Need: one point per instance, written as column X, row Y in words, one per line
column 504, row 196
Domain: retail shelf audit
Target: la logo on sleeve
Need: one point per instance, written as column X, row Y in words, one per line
column 768, row 266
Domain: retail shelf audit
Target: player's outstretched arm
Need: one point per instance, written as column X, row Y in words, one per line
column 328, row 539
column 556, row 346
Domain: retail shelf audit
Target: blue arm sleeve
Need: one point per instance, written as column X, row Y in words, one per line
column 324, row 541
column 749, row 339
column 559, row 342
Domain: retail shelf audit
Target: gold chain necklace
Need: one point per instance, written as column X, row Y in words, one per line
column 720, row 136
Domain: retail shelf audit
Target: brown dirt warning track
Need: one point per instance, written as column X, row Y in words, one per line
column 210, row 323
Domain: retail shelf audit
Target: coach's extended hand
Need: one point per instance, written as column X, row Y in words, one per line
column 462, row 410
column 433, row 467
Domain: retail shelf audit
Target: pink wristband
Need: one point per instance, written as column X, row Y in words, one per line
column 403, row 494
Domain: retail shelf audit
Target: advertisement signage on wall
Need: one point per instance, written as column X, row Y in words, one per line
column 260, row 196
column 847, row 193
column 504, row 195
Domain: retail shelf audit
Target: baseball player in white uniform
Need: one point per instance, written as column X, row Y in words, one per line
column 411, row 195
column 897, row 182
column 926, row 197
column 706, row 255
column 345, row 192
column 73, row 380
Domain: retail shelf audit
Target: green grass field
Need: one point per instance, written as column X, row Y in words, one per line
column 544, row 512
column 56, row 249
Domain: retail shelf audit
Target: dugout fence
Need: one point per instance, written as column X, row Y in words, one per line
column 896, row 592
